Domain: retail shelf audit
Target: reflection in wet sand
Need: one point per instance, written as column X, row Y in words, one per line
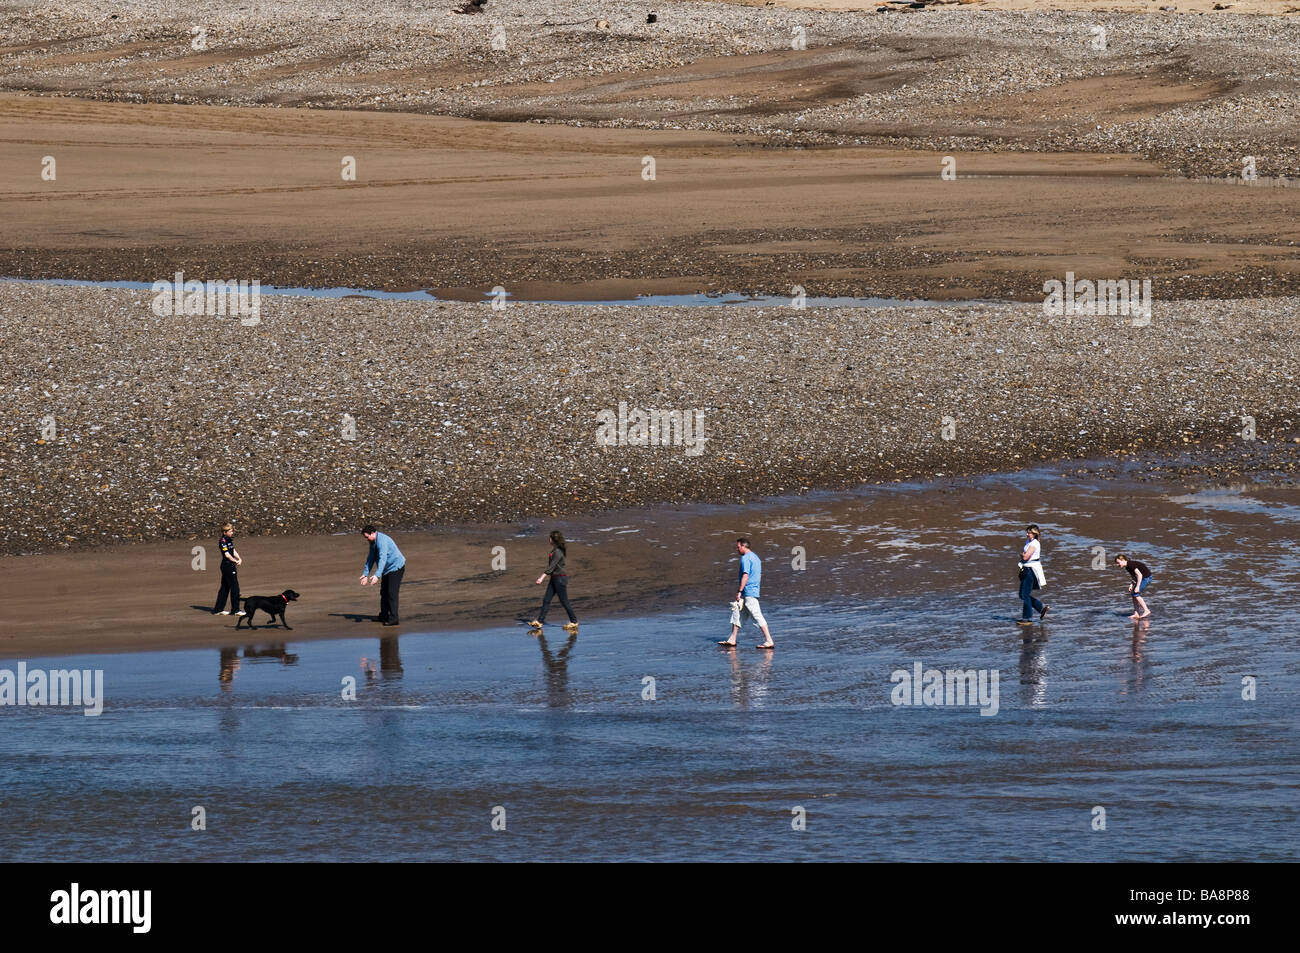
column 229, row 659
column 229, row 665
column 389, row 664
column 1033, row 668
column 1138, row 654
column 749, row 685
column 557, row 671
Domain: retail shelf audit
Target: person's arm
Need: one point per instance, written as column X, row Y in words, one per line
column 371, row 556
column 744, row 581
column 383, row 558
column 1024, row 554
column 551, row 565
column 235, row 553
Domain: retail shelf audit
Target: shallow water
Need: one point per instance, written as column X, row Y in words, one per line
column 678, row 300
column 1147, row 722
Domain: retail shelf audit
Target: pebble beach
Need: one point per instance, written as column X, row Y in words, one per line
column 167, row 426
column 1194, row 90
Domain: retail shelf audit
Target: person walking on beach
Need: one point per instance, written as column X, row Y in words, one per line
column 1031, row 575
column 230, row 563
column 558, row 586
column 389, row 567
column 751, row 571
column 1141, row 576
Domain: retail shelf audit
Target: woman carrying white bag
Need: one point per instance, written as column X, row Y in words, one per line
column 1031, row 575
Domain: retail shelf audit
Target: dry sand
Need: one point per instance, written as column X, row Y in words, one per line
column 561, row 213
column 1193, row 92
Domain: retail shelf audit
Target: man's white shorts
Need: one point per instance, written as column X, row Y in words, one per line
column 752, row 610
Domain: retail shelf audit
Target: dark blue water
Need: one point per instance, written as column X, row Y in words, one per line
column 1147, row 721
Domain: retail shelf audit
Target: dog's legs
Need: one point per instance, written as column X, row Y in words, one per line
column 285, row 622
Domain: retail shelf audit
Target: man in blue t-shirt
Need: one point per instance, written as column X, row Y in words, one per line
column 389, row 567
column 751, row 572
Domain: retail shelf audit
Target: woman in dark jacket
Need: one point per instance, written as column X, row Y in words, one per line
column 559, row 584
column 230, row 563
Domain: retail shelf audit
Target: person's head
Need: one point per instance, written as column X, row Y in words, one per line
column 369, row 531
column 742, row 545
column 1032, row 531
column 557, row 539
column 227, row 529
column 1121, row 560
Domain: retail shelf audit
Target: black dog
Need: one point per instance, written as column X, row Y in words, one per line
column 271, row 605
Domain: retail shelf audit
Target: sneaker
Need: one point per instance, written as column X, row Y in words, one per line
column 224, row 612
column 241, row 612
column 571, row 627
column 535, row 624
column 1043, row 614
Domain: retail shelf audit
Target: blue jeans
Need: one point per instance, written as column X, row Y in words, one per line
column 1027, row 587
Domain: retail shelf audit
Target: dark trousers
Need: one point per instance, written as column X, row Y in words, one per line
column 558, row 586
column 1027, row 587
column 229, row 585
column 389, row 584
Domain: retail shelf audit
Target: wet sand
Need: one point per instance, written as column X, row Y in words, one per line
column 909, row 542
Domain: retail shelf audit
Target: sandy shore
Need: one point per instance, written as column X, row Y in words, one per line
column 561, row 213
column 167, row 426
column 451, row 585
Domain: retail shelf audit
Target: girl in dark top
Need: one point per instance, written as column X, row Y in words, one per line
column 559, row 584
column 230, row 563
column 1141, row 576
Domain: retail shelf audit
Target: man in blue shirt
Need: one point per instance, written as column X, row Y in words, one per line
column 389, row 567
column 751, row 571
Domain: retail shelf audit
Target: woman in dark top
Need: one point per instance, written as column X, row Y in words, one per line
column 559, row 584
column 1141, row 576
column 230, row 563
